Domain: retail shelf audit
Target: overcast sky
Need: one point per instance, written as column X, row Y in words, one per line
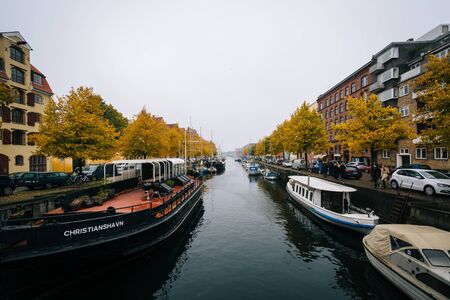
column 237, row 68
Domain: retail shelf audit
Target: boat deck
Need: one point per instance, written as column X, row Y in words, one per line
column 126, row 202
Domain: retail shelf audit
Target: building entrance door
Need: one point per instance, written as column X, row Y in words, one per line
column 4, row 164
column 403, row 159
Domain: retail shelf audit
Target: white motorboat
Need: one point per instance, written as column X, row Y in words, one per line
column 270, row 175
column 330, row 202
column 414, row 258
column 253, row 170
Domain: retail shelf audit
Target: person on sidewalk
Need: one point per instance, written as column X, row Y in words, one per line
column 376, row 173
column 324, row 169
column 342, row 170
column 336, row 170
column 330, row 168
column 384, row 175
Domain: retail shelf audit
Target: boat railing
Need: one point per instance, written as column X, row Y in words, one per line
column 36, row 222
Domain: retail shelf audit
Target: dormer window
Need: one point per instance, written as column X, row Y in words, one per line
column 16, row 54
column 37, row 78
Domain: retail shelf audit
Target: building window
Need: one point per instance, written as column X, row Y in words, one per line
column 364, row 81
column 404, row 111
column 336, row 97
column 18, row 137
column 331, row 112
column 341, row 94
column 18, row 116
column 37, row 78
column 353, row 88
column 326, row 114
column 404, row 151
column 19, row 160
column 442, row 53
column 386, row 153
column 421, row 153
column 16, row 54
column 331, row 99
column 38, row 163
column 17, row 75
column 328, row 103
column 321, row 106
column 38, row 99
column 38, row 118
column 20, row 97
column 404, row 90
column 346, row 105
column 342, row 119
column 336, row 110
column 347, row 91
column 440, row 153
column 341, row 107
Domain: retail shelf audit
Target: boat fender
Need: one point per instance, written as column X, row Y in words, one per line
column 111, row 210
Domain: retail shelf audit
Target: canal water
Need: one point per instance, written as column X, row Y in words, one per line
column 247, row 241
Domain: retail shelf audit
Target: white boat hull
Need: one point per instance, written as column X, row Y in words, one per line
column 332, row 218
column 404, row 285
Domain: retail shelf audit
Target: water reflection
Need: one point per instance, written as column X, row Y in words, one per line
column 315, row 240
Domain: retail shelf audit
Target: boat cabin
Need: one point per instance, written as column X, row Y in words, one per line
column 328, row 195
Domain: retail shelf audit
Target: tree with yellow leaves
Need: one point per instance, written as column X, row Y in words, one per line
column 278, row 138
column 146, row 136
column 433, row 90
column 74, row 126
column 7, row 96
column 305, row 132
column 371, row 126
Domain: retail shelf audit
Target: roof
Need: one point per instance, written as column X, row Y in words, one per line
column 422, row 237
column 10, row 34
column 45, row 87
column 366, row 65
column 143, row 161
column 323, row 185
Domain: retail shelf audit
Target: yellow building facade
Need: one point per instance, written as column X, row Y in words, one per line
column 21, row 119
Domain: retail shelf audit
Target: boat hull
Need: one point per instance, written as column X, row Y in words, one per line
column 404, row 285
column 118, row 244
column 324, row 216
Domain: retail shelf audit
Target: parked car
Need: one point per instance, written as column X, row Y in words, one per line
column 316, row 167
column 360, row 165
column 16, row 177
column 299, row 164
column 415, row 166
column 94, row 172
column 429, row 181
column 279, row 162
column 7, row 185
column 287, row 164
column 43, row 179
column 352, row 172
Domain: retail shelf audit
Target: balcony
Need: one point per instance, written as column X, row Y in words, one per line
column 388, row 55
column 376, row 68
column 388, row 75
column 376, row 86
column 410, row 74
column 388, row 95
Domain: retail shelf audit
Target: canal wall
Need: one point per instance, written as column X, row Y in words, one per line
column 417, row 209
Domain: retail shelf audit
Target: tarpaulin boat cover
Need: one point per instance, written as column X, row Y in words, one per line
column 422, row 237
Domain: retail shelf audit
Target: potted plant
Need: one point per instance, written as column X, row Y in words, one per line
column 76, row 203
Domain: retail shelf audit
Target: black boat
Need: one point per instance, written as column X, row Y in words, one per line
column 140, row 216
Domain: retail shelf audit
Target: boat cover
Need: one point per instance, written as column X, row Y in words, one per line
column 321, row 184
column 422, row 237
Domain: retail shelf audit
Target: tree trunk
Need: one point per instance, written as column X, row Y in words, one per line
column 306, row 160
column 373, row 155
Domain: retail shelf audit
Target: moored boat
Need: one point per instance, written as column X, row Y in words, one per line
column 270, row 175
column 330, row 202
column 414, row 258
column 253, row 170
column 144, row 212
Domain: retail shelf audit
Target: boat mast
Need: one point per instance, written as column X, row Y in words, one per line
column 185, row 150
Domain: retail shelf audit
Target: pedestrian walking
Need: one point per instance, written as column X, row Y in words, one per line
column 336, row 170
column 376, row 173
column 342, row 170
column 325, row 169
column 384, row 175
column 330, row 168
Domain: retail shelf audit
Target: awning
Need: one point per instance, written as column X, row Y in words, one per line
column 319, row 156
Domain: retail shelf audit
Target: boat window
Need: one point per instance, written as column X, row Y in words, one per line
column 310, row 196
column 397, row 243
column 415, row 253
column 303, row 191
column 332, row 201
column 306, row 193
column 434, row 283
column 437, row 258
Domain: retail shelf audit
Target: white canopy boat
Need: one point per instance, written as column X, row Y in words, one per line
column 330, row 202
column 253, row 170
column 414, row 258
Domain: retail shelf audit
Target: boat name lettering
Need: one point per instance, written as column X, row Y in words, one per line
column 93, row 228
